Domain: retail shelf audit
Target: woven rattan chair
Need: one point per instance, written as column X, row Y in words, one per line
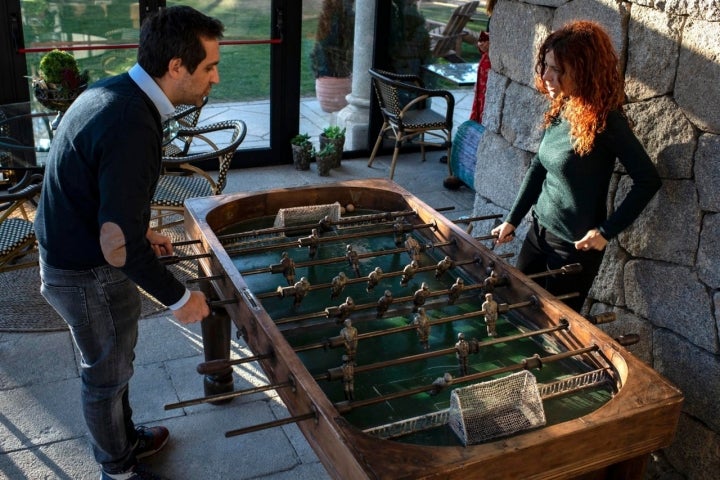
column 17, row 236
column 184, row 179
column 407, row 116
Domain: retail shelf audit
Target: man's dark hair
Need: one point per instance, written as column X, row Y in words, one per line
column 175, row 32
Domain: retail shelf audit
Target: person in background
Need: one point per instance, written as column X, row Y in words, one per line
column 93, row 223
column 567, row 183
column 483, row 46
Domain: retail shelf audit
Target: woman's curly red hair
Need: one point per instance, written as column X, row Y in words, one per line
column 586, row 54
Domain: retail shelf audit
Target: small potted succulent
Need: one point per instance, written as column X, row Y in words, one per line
column 334, row 136
column 59, row 80
column 324, row 159
column 302, row 150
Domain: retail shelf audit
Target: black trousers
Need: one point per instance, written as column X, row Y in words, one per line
column 542, row 251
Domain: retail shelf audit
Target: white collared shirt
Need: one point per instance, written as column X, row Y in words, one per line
column 152, row 90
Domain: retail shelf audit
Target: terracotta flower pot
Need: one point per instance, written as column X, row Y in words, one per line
column 331, row 92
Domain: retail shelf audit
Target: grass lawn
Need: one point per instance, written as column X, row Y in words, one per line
column 244, row 70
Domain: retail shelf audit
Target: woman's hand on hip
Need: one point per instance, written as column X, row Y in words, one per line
column 593, row 240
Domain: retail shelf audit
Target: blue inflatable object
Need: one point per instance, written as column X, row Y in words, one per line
column 463, row 156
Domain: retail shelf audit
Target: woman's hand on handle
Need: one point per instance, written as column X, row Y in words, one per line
column 504, row 232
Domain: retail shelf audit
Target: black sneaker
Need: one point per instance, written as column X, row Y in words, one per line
column 150, row 440
column 138, row 472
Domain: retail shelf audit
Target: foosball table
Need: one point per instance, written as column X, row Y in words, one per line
column 404, row 347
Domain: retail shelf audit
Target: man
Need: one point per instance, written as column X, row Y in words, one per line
column 93, row 218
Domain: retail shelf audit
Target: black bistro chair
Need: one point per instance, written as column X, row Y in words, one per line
column 17, row 235
column 407, row 114
column 183, row 157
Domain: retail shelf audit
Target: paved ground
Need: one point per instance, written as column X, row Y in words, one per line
column 42, row 433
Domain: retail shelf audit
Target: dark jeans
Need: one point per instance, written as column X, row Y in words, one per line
column 542, row 251
column 102, row 307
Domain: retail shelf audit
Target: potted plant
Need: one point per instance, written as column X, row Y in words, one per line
column 324, row 159
column 331, row 57
column 302, row 150
column 334, row 136
column 59, row 82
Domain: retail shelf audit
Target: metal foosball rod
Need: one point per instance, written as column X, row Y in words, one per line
column 331, row 260
column 337, row 341
column 214, row 366
column 228, row 396
column 337, row 374
column 347, row 406
column 274, row 423
column 279, row 292
column 569, row 269
column 323, row 223
column 172, row 259
column 528, row 363
column 403, row 228
column 465, row 220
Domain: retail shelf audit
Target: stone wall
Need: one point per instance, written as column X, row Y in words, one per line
column 662, row 275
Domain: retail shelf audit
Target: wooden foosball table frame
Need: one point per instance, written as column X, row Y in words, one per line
column 613, row 441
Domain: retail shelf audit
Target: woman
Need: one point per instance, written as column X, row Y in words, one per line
column 567, row 182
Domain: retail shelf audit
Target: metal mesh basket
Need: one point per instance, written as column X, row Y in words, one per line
column 496, row 408
column 289, row 217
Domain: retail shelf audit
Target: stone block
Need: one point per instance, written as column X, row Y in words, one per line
column 613, row 16
column 707, row 172
column 608, row 285
column 654, row 39
column 667, row 135
column 494, row 98
column 690, row 368
column 500, row 170
column 708, row 257
column 695, row 450
column 696, row 89
column 667, row 228
column 518, row 29
column 522, row 117
column 671, row 297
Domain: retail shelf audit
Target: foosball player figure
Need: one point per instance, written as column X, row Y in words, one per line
column 349, row 335
column 409, row 273
column 338, row 285
column 348, row 377
column 420, row 296
column 345, row 309
column 353, row 260
column 384, row 303
column 422, row 327
column 399, row 230
column 325, row 224
column 491, row 282
column 373, row 279
column 443, row 266
column 288, row 268
column 490, row 307
column 311, row 242
column 440, row 383
column 413, row 248
column 462, row 350
column 455, row 290
column 301, row 289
